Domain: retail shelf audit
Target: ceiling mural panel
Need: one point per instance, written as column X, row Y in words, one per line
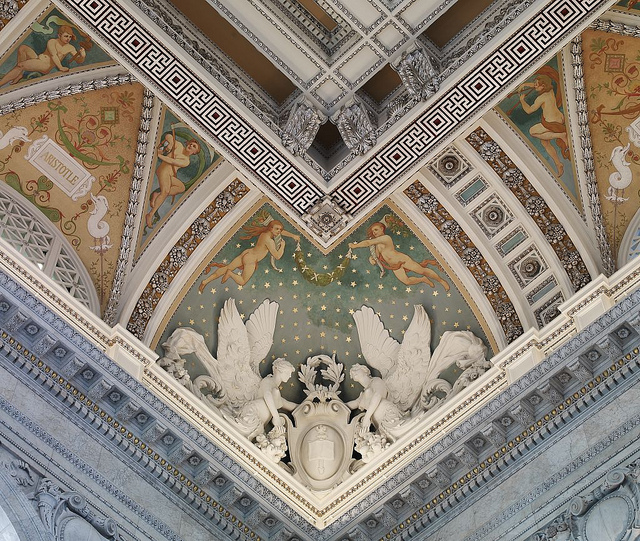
column 50, row 47
column 72, row 158
column 628, row 5
column 178, row 255
column 612, row 79
column 537, row 111
column 384, row 264
column 182, row 160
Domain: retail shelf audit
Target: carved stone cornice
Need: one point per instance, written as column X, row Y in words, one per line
column 448, row 455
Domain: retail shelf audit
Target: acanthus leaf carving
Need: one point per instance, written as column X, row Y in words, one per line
column 418, row 72
column 301, row 128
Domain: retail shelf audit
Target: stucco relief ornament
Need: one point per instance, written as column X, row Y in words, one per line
column 301, row 127
column 66, row 515
column 355, row 127
column 232, row 382
column 321, row 436
column 411, row 381
column 418, row 73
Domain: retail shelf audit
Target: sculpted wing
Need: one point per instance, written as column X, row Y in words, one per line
column 239, row 379
column 260, row 328
column 379, row 349
column 414, row 364
column 461, row 347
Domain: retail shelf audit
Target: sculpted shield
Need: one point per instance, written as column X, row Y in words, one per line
column 321, row 442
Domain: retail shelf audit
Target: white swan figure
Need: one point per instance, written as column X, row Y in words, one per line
column 98, row 228
column 17, row 133
column 622, row 177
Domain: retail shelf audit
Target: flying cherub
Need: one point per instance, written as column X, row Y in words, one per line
column 270, row 242
column 57, row 50
column 385, row 255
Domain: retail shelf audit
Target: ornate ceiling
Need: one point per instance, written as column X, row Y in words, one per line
column 494, row 146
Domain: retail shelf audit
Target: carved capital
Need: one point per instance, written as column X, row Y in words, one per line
column 580, row 370
column 610, row 347
column 355, row 127
column 17, row 320
column 418, row 72
column 495, row 433
column 523, row 412
column 439, row 476
column 72, row 367
column 99, row 389
column 301, row 127
column 551, row 392
column 44, row 344
column 467, row 455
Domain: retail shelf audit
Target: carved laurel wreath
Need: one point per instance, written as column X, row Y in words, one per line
column 334, row 372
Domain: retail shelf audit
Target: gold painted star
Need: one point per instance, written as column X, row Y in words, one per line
column 353, row 284
column 435, row 293
column 323, row 334
column 408, row 290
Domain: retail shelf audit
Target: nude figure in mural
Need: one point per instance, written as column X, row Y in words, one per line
column 269, row 241
column 397, row 262
column 175, row 157
column 552, row 126
column 57, row 50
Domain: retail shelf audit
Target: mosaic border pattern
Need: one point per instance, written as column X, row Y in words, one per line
column 273, row 169
column 180, row 253
column 470, row 256
column 535, row 205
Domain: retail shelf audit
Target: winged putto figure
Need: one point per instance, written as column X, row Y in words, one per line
column 232, row 381
column 410, row 381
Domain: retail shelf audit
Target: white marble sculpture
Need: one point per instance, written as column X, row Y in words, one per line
column 233, row 382
column 410, row 381
column 321, row 433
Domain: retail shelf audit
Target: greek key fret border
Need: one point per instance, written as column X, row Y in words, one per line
column 274, row 170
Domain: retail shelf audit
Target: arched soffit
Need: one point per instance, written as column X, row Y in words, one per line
column 26, row 230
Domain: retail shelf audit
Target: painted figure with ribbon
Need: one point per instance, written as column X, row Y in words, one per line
column 270, row 234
